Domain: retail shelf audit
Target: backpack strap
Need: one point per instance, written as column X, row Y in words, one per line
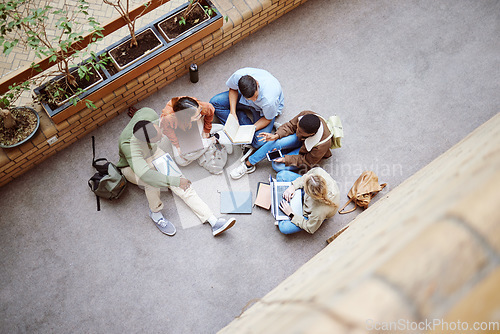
column 102, row 168
column 96, row 178
column 93, row 184
column 93, row 150
column 349, row 201
column 331, row 132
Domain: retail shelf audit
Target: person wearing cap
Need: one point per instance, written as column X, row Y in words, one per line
column 304, row 141
column 138, row 147
column 253, row 91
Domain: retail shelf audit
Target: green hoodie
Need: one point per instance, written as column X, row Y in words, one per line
column 133, row 152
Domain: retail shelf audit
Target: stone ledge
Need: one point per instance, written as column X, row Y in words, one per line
column 245, row 17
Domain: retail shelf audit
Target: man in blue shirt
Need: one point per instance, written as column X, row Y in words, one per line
column 254, row 91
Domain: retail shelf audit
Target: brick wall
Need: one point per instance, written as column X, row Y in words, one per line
column 244, row 18
column 430, row 249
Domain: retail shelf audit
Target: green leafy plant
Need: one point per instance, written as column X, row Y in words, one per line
column 210, row 11
column 26, row 23
column 123, row 9
column 8, row 101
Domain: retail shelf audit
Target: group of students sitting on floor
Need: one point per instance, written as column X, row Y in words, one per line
column 251, row 92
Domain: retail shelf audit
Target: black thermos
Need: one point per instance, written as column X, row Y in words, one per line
column 193, row 73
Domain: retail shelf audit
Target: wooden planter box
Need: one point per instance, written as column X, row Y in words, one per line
column 167, row 50
column 121, row 67
column 165, row 33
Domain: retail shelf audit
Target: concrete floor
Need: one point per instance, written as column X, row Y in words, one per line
column 409, row 80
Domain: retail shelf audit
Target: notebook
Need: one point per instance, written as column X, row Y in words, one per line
column 236, row 202
column 263, row 197
column 166, row 165
column 277, row 190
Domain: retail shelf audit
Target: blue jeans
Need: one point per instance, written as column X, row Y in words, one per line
column 289, row 145
column 286, row 226
column 222, row 110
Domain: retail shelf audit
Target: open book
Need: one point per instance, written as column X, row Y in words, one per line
column 238, row 134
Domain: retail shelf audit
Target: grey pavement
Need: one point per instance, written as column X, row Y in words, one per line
column 408, row 78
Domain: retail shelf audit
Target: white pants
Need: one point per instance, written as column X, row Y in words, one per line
column 189, row 196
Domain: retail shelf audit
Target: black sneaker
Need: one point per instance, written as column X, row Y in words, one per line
column 163, row 225
column 222, row 225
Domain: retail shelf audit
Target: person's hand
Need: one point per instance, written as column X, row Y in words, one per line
column 178, row 148
column 236, row 117
column 282, row 159
column 205, row 134
column 264, row 136
column 289, row 193
column 185, row 183
column 168, row 121
column 285, row 207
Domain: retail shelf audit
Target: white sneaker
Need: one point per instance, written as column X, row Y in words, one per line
column 241, row 170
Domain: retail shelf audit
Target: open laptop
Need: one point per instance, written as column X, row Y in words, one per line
column 277, row 190
column 190, row 140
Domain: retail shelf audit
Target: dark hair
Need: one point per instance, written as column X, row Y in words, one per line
column 185, row 102
column 309, row 123
column 145, row 130
column 187, row 107
column 247, row 86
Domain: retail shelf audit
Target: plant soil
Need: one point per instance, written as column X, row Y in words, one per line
column 26, row 124
column 112, row 70
column 60, row 90
column 172, row 28
column 124, row 54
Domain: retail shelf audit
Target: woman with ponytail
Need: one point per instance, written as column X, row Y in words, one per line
column 320, row 200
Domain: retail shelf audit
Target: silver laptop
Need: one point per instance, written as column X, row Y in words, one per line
column 277, row 190
column 190, row 140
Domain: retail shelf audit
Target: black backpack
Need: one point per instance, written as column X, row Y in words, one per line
column 108, row 182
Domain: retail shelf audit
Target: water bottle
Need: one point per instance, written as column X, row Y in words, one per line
column 193, row 73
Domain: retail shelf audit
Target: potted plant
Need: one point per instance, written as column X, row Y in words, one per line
column 24, row 23
column 17, row 124
column 186, row 19
column 137, row 45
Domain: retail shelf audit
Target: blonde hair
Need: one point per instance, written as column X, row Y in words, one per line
column 316, row 187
